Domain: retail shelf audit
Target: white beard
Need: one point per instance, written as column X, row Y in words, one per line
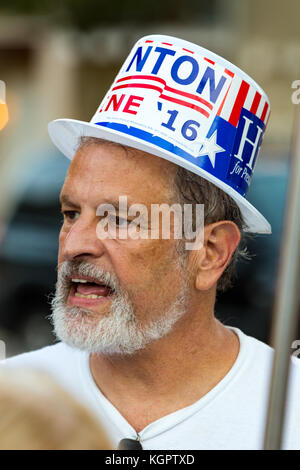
column 115, row 333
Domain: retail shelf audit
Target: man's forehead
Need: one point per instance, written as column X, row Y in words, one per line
column 109, row 153
column 113, row 170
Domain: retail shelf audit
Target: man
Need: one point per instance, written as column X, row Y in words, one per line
column 134, row 308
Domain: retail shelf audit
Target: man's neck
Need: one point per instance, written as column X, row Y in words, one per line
column 169, row 374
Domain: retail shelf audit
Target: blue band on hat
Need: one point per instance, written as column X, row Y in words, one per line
column 231, row 151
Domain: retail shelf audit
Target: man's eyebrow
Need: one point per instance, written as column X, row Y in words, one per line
column 65, row 199
column 112, row 202
column 115, row 202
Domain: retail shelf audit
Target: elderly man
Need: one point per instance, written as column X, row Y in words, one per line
column 140, row 344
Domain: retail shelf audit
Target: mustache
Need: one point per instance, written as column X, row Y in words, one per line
column 70, row 269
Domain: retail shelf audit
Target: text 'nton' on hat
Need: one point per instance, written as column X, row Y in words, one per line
column 183, row 103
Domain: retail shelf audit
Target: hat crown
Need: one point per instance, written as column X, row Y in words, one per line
column 191, row 103
column 183, row 103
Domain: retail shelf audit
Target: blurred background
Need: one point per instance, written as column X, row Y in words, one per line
column 58, row 59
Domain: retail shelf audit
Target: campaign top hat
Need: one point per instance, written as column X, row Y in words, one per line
column 183, row 103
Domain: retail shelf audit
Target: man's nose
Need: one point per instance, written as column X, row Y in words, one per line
column 81, row 240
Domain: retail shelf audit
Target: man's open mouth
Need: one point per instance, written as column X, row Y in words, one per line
column 88, row 289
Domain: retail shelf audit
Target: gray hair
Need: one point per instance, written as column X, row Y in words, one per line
column 218, row 206
column 193, row 189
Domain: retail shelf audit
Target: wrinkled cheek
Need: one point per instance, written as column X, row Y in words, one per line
column 156, row 270
column 152, row 257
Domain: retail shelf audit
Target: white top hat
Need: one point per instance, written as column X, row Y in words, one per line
column 185, row 104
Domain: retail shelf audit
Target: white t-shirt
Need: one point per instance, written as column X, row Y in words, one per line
column 231, row 416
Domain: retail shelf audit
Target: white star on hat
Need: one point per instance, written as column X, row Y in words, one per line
column 211, row 148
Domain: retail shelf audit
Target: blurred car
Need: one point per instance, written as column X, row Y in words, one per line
column 29, row 253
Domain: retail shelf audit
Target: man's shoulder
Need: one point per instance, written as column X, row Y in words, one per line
column 261, row 362
column 295, row 372
column 263, row 356
column 59, row 360
column 54, row 355
column 261, row 350
column 266, row 352
column 253, row 351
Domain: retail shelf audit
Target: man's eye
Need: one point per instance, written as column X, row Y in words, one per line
column 121, row 222
column 118, row 221
column 70, row 215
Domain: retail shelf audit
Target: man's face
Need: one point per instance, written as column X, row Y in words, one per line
column 133, row 288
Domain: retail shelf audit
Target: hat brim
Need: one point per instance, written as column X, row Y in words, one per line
column 65, row 134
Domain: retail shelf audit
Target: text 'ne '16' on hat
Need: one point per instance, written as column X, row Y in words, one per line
column 183, row 103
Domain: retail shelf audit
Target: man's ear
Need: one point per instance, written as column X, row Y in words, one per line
column 220, row 241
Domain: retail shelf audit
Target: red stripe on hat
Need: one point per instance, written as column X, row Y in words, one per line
column 148, row 41
column 167, row 43
column 255, row 103
column 208, row 60
column 231, row 74
column 138, row 85
column 189, row 95
column 143, row 77
column 185, row 103
column 187, row 50
column 222, row 104
column 167, row 88
column 240, row 100
column 263, row 114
